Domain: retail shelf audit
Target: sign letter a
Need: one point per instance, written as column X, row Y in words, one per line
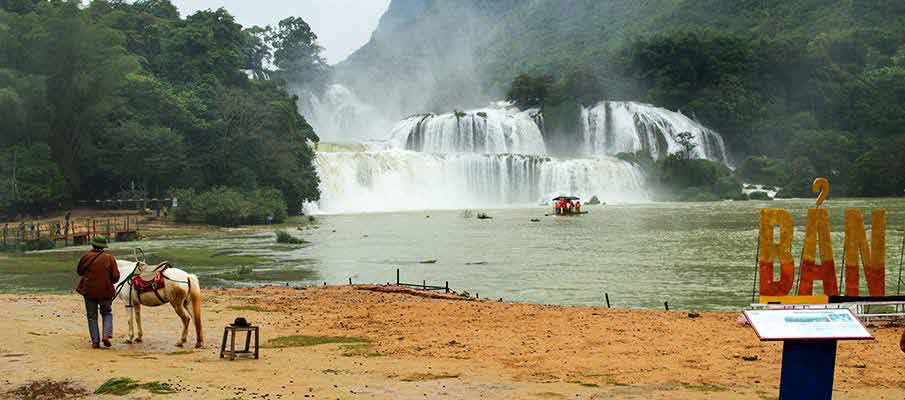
column 873, row 256
column 770, row 251
column 818, row 230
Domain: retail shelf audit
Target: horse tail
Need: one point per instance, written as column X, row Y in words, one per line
column 194, row 298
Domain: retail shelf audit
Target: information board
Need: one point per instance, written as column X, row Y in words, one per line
column 823, row 324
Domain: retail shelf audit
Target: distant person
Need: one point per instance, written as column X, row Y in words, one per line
column 99, row 272
column 578, row 207
column 557, row 207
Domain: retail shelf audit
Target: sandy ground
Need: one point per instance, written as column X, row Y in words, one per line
column 426, row 348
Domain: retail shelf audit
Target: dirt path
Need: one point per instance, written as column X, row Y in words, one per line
column 420, row 347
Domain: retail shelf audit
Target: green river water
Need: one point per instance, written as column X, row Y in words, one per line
column 693, row 255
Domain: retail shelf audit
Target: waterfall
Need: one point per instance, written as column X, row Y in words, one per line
column 494, row 130
column 394, row 180
column 613, row 127
column 337, row 115
column 486, row 157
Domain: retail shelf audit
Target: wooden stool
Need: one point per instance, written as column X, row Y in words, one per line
column 231, row 331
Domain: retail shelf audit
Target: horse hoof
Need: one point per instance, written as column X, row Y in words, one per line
column 128, row 341
column 138, row 340
column 199, row 345
column 178, row 344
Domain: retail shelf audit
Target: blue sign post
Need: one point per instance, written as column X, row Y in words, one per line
column 809, row 339
column 807, row 370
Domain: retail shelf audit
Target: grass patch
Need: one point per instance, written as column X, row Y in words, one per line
column 124, row 386
column 608, row 379
column 359, row 350
column 286, row 238
column 271, row 275
column 420, row 377
column 48, row 390
column 188, row 257
column 705, row 388
column 247, row 308
column 304, row 341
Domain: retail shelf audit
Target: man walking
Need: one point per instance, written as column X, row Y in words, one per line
column 99, row 272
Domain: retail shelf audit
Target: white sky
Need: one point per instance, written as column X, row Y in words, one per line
column 342, row 26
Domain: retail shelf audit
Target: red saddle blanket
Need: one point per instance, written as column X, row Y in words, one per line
column 143, row 286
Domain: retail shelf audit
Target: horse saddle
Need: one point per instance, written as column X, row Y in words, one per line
column 143, row 286
column 155, row 283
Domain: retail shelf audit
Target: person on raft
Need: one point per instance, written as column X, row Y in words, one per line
column 99, row 272
column 578, row 207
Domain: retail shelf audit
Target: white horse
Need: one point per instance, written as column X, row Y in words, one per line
column 181, row 290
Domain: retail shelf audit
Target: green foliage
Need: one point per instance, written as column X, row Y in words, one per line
column 759, row 195
column 727, row 187
column 297, row 54
column 528, row 91
column 29, row 179
column 285, row 237
column 223, row 206
column 124, row 386
column 304, row 341
column 761, row 170
column 127, row 94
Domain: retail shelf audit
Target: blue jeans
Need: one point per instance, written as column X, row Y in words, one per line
column 91, row 306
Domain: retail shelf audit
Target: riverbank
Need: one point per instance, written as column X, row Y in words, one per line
column 402, row 346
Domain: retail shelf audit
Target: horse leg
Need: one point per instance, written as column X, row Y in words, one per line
column 136, row 308
column 131, row 327
column 194, row 298
column 177, row 303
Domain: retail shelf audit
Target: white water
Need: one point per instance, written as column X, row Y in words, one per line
column 488, row 157
column 613, row 127
column 494, row 130
column 338, row 115
column 407, row 180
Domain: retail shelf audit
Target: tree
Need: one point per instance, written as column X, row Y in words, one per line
column 686, row 140
column 297, row 55
column 85, row 64
column 528, row 91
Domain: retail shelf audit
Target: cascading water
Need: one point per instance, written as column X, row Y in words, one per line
column 496, row 156
column 407, row 180
column 485, row 131
column 337, row 115
column 613, row 127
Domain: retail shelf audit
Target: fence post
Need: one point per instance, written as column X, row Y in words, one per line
column 424, row 284
column 607, row 295
column 350, row 281
column 666, row 305
column 447, row 286
column 397, row 276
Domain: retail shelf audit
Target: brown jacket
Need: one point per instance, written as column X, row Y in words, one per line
column 99, row 274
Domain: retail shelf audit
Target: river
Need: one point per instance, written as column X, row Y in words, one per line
column 693, row 255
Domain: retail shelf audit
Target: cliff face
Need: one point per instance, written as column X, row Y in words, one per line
column 434, row 55
column 423, row 56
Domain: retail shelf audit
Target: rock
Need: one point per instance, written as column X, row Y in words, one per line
column 427, row 262
column 594, row 200
column 750, row 358
column 694, row 315
column 535, row 220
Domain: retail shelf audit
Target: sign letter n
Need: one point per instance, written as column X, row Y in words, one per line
column 872, row 254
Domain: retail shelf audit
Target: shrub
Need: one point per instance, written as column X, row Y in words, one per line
column 223, row 206
column 727, row 188
column 285, row 237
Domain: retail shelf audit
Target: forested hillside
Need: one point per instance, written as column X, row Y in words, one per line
column 798, row 88
column 116, row 95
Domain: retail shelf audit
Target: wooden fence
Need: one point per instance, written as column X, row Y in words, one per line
column 76, row 231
